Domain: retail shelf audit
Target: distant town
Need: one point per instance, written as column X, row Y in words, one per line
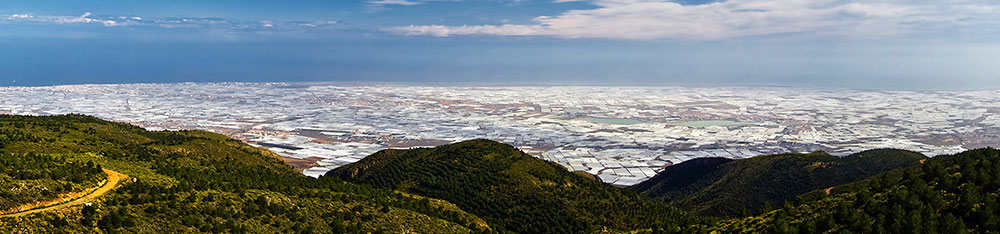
column 622, row 135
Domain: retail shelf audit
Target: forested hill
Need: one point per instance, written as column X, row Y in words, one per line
column 946, row 194
column 190, row 182
column 200, row 182
column 723, row 187
column 510, row 189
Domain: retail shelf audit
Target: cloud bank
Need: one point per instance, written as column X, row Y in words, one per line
column 661, row 19
column 88, row 18
column 85, row 18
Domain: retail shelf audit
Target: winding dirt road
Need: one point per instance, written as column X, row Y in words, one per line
column 113, row 179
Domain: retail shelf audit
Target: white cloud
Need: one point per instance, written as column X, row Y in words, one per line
column 661, row 19
column 443, row 31
column 217, row 24
column 382, row 5
column 320, row 23
column 85, row 18
column 20, row 16
column 394, row 2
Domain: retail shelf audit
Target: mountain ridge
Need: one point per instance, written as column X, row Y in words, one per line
column 508, row 187
column 201, row 182
column 955, row 193
column 721, row 187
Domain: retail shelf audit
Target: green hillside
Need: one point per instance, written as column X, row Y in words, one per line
column 946, row 194
column 201, row 182
column 192, row 181
column 510, row 189
column 722, row 187
column 27, row 178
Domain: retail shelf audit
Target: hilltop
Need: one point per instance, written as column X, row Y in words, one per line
column 510, row 189
column 724, row 187
column 189, row 182
column 946, row 194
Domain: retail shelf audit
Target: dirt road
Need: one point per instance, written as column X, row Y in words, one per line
column 113, row 179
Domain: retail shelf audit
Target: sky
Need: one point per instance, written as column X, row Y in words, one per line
column 866, row 44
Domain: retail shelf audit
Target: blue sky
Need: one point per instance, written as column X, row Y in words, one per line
column 881, row 44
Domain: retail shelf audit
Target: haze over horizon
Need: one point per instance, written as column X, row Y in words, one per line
column 872, row 44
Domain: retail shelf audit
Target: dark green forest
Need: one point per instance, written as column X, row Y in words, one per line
column 201, row 182
column 946, row 194
column 510, row 189
column 724, row 187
